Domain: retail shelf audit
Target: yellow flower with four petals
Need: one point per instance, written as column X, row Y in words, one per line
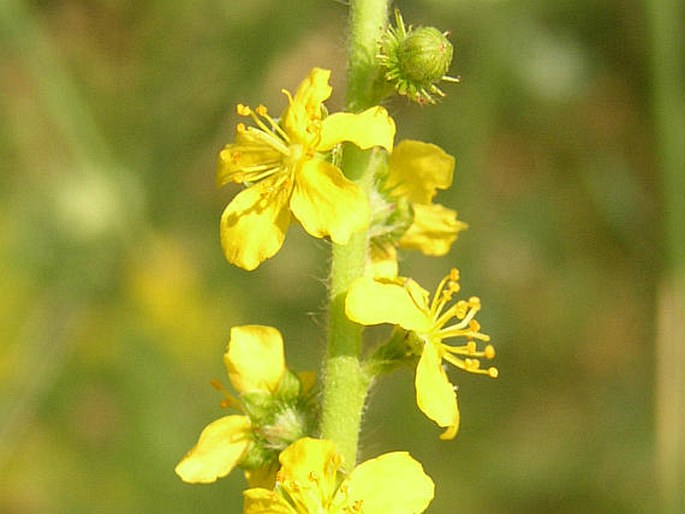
column 284, row 165
column 403, row 302
column 311, row 481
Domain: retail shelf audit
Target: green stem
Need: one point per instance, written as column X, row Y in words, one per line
column 668, row 105
column 346, row 384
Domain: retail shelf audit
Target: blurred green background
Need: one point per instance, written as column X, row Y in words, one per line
column 117, row 301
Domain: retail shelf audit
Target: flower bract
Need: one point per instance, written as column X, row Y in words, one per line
column 311, row 481
column 431, row 323
column 284, row 165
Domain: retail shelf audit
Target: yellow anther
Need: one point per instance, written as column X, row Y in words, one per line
column 474, row 302
column 471, row 347
column 229, row 400
column 240, row 128
column 489, row 352
column 471, row 364
column 454, row 274
column 243, row 110
column 261, row 110
column 474, row 326
column 493, row 372
column 460, row 309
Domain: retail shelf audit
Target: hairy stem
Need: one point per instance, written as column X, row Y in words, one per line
column 346, row 384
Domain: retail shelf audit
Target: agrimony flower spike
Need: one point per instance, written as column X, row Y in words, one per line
column 414, row 60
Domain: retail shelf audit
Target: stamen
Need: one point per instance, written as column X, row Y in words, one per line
column 443, row 294
column 243, row 110
column 471, row 308
column 229, row 400
column 470, row 366
column 262, row 111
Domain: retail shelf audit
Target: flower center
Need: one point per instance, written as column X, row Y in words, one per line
column 295, row 153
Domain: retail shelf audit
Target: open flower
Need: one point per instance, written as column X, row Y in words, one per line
column 274, row 402
column 407, row 217
column 431, row 322
column 311, row 481
column 284, row 166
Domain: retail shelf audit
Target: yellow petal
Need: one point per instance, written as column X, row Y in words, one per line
column 328, row 204
column 373, row 127
column 305, row 106
column 383, row 262
column 392, row 483
column 416, row 170
column 263, row 501
column 264, row 477
column 311, row 462
column 435, row 395
column 254, row 224
column 433, row 231
column 371, row 302
column 220, row 448
column 254, row 358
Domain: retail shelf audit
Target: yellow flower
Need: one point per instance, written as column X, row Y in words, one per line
column 284, row 166
column 311, row 481
column 256, row 369
column 403, row 302
column 416, row 170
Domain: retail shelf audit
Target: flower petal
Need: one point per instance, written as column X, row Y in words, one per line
column 327, row 203
column 373, row 127
column 417, row 169
column 219, row 449
column 383, row 261
column 254, row 224
column 310, row 463
column 263, row 501
column 264, row 476
column 392, row 483
column 305, row 106
column 433, row 231
column 371, row 302
column 254, row 358
column 435, row 395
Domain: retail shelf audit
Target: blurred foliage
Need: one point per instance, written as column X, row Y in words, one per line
column 117, row 302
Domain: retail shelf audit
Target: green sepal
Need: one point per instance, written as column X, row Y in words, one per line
column 289, row 387
column 400, row 349
column 258, row 457
column 258, row 405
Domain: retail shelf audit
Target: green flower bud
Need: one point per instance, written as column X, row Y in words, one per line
column 425, row 55
column 414, row 60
